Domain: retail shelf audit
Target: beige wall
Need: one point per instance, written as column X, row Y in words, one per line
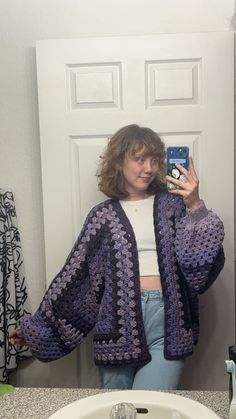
column 21, row 24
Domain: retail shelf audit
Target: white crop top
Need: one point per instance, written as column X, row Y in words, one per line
column 140, row 215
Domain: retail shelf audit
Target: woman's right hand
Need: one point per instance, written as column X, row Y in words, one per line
column 15, row 339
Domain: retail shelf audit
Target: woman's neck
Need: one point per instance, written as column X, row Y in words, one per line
column 136, row 197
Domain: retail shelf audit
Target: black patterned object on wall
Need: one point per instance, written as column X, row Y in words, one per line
column 13, row 292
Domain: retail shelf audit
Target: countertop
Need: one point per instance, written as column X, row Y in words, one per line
column 40, row 403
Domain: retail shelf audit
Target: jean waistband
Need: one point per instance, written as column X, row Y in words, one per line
column 151, row 294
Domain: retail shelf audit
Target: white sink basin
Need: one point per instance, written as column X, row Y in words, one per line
column 159, row 406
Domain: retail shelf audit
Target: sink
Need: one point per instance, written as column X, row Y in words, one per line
column 157, row 405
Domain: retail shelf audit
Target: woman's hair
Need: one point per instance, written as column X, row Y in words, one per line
column 128, row 141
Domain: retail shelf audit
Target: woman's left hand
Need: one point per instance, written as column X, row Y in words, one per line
column 189, row 188
column 15, row 339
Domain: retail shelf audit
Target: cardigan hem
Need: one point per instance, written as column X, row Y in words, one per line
column 124, row 363
column 170, row 357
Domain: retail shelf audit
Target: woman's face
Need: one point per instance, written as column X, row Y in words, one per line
column 138, row 172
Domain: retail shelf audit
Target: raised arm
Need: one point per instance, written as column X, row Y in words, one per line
column 199, row 234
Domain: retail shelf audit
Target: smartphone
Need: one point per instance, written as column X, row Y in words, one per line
column 178, row 154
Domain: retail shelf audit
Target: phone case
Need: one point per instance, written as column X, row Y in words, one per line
column 178, row 154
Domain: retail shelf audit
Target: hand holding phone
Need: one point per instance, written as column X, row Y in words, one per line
column 176, row 155
column 187, row 186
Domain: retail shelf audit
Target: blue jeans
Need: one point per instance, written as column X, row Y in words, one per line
column 159, row 373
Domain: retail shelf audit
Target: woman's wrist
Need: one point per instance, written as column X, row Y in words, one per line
column 194, row 205
column 197, row 214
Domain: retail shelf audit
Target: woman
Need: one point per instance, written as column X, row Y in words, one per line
column 135, row 272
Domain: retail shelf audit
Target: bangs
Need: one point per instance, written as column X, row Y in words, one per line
column 145, row 146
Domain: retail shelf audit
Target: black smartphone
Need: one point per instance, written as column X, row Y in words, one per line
column 176, row 154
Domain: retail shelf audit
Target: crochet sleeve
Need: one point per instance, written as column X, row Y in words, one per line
column 70, row 306
column 198, row 246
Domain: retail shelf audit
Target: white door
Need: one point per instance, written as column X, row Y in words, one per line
column 181, row 86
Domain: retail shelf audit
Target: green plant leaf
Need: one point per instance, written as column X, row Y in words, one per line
column 6, row 388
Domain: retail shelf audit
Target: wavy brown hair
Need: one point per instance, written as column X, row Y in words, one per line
column 130, row 140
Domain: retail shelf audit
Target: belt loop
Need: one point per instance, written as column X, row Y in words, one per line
column 144, row 295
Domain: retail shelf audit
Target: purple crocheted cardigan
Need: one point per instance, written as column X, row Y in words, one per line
column 99, row 287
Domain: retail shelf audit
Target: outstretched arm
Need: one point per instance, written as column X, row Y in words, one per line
column 70, row 306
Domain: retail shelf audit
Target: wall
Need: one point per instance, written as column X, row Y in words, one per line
column 21, row 24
